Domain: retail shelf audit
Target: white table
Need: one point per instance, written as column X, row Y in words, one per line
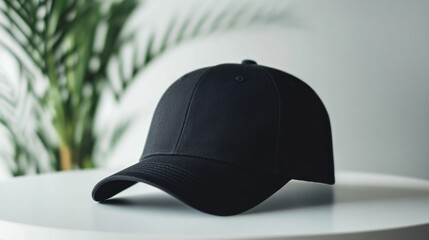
column 359, row 206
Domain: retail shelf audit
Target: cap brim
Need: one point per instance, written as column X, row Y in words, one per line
column 210, row 186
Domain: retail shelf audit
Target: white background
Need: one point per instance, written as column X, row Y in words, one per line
column 367, row 60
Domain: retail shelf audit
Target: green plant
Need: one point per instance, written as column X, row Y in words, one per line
column 67, row 46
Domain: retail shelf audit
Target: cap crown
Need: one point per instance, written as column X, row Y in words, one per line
column 246, row 115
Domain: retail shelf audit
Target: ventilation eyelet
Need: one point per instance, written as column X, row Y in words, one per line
column 239, row 78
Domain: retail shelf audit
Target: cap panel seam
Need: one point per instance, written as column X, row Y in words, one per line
column 278, row 115
column 182, row 129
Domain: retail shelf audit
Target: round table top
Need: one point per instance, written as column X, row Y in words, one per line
column 360, row 205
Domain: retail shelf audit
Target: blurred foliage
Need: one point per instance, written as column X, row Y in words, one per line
column 71, row 44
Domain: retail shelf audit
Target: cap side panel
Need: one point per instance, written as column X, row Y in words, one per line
column 306, row 139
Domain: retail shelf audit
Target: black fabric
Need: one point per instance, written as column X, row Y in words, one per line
column 305, row 141
column 227, row 119
column 170, row 114
column 213, row 187
column 225, row 138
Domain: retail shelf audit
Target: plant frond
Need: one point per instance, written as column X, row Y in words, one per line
column 22, row 28
column 20, row 11
column 18, row 121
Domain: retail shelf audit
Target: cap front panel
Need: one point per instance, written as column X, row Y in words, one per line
column 169, row 115
column 233, row 117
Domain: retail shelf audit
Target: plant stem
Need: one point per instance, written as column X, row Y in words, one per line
column 65, row 157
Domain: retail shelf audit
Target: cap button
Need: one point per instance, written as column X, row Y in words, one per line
column 248, row 62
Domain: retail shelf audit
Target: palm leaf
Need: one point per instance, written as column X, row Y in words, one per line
column 16, row 114
column 22, row 27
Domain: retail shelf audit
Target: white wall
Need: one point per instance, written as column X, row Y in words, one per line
column 368, row 61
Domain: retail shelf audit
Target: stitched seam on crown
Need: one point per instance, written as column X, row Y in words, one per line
column 278, row 117
column 182, row 129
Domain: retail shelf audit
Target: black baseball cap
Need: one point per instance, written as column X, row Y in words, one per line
column 225, row 138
